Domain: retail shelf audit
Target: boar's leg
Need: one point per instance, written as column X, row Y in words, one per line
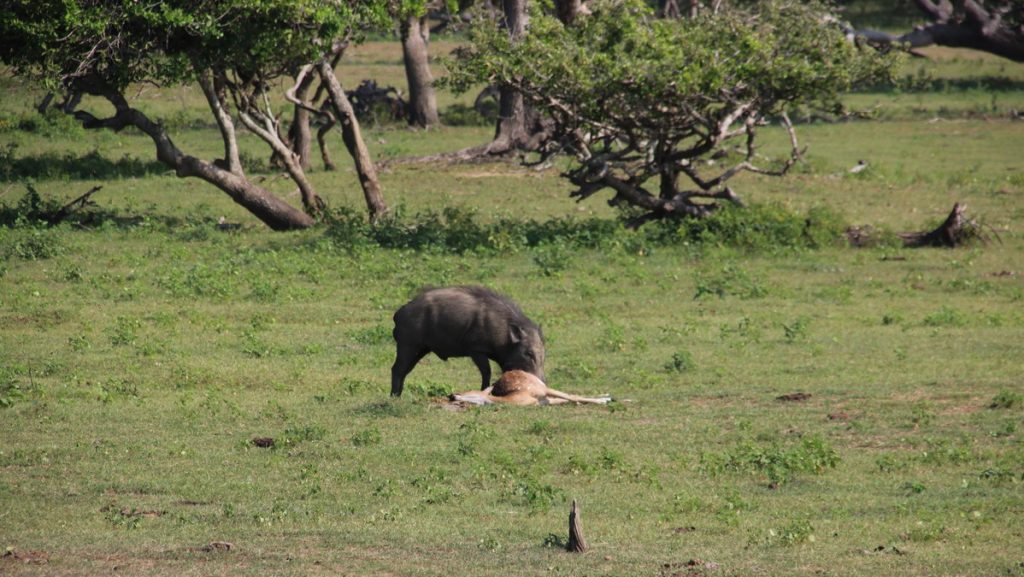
column 405, row 360
column 484, row 364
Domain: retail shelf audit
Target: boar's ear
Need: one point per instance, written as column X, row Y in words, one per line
column 515, row 333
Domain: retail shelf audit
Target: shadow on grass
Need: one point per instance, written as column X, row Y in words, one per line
column 89, row 166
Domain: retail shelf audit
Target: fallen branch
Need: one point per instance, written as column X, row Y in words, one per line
column 71, row 207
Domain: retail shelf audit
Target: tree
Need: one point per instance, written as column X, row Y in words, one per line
column 640, row 102
column 235, row 51
column 996, row 26
column 414, row 32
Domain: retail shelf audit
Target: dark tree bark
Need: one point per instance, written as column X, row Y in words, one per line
column 511, row 132
column 353, row 139
column 996, row 26
column 577, row 544
column 568, row 10
column 668, row 9
column 226, row 174
column 300, row 138
column 958, row 229
column 422, row 102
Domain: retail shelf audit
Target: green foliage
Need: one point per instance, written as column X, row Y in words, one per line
column 779, row 464
column 366, row 437
column 796, row 330
column 681, row 362
column 71, row 42
column 458, row 230
column 11, row 390
column 296, row 434
column 31, row 209
column 1007, row 400
column 34, row 243
column 730, row 280
column 621, row 62
column 635, row 99
column 761, row 227
column 946, row 316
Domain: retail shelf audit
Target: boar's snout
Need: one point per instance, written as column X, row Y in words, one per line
column 529, row 352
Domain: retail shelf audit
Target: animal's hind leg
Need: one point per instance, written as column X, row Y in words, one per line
column 557, row 397
column 405, row 359
column 484, row 364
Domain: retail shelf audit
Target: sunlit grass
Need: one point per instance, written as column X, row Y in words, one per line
column 140, row 357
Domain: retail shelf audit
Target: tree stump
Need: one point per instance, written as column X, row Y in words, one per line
column 577, row 544
column 958, row 229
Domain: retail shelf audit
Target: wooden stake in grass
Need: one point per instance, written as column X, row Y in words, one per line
column 577, row 544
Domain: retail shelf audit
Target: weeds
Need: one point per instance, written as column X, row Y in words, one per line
column 681, row 362
column 458, row 230
column 730, row 280
column 796, row 330
column 945, row 317
column 11, row 390
column 796, row 532
column 777, row 463
column 367, row 437
column 300, row 434
column 1006, row 400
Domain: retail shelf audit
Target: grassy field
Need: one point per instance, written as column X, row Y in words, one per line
column 141, row 355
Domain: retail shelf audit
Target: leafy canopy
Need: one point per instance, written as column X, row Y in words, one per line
column 623, row 66
column 634, row 97
column 120, row 42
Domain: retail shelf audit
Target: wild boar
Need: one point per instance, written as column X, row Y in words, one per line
column 465, row 321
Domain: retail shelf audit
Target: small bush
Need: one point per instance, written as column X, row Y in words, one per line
column 10, row 390
column 30, row 210
column 731, row 280
column 367, row 437
column 36, row 244
column 294, row 435
column 779, row 464
column 1006, row 400
column 458, row 230
column 762, row 227
column 945, row 317
column 796, row 330
column 681, row 362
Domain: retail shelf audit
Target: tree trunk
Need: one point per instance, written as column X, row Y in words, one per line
column 215, row 99
column 511, row 129
column 955, row 231
column 321, row 138
column 422, row 102
column 577, row 544
column 276, row 213
column 300, row 138
column 568, row 10
column 353, row 139
column 668, row 9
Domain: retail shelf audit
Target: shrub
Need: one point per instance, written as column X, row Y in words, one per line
column 458, row 230
column 1006, row 400
column 779, row 464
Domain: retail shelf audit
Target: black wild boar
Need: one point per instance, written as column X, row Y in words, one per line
column 465, row 321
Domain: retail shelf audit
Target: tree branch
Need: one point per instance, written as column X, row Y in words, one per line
column 268, row 132
column 232, row 162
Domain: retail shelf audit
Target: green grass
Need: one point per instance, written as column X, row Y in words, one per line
column 140, row 356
